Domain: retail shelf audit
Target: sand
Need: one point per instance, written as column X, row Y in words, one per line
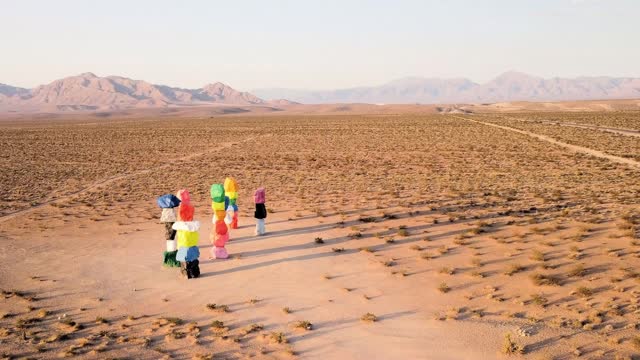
column 446, row 275
column 285, row 268
column 114, row 272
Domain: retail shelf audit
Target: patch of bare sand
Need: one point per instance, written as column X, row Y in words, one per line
column 100, row 273
column 113, row 272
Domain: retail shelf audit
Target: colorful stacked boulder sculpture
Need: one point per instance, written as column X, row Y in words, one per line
column 220, row 232
column 260, row 214
column 184, row 196
column 231, row 193
column 168, row 203
column 187, row 236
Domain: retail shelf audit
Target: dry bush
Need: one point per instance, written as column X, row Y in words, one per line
column 542, row 279
column 369, row 317
column 510, row 347
column 513, row 269
column 443, row 287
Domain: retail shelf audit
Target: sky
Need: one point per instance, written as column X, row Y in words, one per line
column 315, row 44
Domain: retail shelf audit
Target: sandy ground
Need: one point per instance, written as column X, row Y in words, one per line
column 284, row 268
column 110, row 271
column 613, row 130
column 571, row 147
column 446, row 277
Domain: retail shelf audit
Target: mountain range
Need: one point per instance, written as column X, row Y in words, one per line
column 93, row 93
column 510, row 86
column 90, row 92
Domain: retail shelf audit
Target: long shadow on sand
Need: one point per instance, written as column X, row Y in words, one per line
column 276, row 261
column 325, row 327
column 331, row 242
column 288, row 232
column 391, row 216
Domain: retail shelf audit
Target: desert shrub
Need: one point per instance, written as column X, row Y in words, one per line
column 540, row 279
column 444, row 288
column 513, row 269
column 369, row 317
column 510, row 347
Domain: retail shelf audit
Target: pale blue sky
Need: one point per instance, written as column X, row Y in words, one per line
column 315, row 44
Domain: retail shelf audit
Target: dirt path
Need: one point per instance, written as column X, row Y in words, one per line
column 574, row 148
column 627, row 132
column 110, row 180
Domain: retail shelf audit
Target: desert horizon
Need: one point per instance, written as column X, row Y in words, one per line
column 88, row 92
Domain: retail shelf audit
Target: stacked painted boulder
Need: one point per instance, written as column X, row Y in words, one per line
column 231, row 193
column 187, row 237
column 260, row 214
column 220, row 232
column 168, row 203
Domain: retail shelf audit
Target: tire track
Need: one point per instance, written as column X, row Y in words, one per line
column 627, row 132
column 110, row 180
column 574, row 148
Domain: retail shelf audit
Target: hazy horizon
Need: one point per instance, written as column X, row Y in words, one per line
column 307, row 45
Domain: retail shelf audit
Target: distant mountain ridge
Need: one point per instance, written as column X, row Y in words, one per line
column 8, row 90
column 510, row 86
column 90, row 92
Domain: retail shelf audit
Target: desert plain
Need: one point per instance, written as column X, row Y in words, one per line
column 492, row 233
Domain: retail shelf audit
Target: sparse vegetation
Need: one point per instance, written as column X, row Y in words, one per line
column 172, row 320
column 278, row 337
column 539, row 299
column 304, row 325
column 258, row 327
column 217, row 324
column 510, row 347
column 444, row 288
column 447, row 271
column 541, row 279
column 577, row 271
column 369, row 317
column 426, row 256
column 218, row 308
column 537, row 255
column 493, row 203
column 584, row 291
column 402, row 231
column 513, row 269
